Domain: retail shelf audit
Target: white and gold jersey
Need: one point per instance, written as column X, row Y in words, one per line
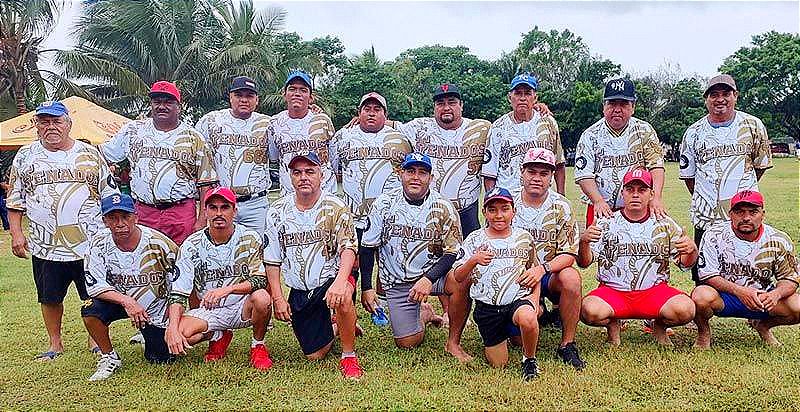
column 60, row 193
column 166, row 167
column 240, row 149
column 722, row 161
column 759, row 264
column 308, row 244
column 410, row 238
column 509, row 141
column 552, row 225
column 369, row 164
column 496, row 283
column 143, row 274
column 203, row 265
column 606, row 156
column 457, row 156
column 635, row 255
column 288, row 137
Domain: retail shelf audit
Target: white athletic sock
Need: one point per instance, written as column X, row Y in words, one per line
column 254, row 342
column 217, row 335
column 348, row 354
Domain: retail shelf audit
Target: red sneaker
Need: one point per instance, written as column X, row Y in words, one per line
column 350, row 368
column 259, row 358
column 218, row 348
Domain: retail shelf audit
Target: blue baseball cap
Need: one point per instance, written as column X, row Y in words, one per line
column 525, row 78
column 114, row 202
column 498, row 193
column 417, row 159
column 307, row 155
column 52, row 108
column 299, row 74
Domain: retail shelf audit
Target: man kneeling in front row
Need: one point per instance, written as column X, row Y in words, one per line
column 224, row 264
column 749, row 270
column 127, row 273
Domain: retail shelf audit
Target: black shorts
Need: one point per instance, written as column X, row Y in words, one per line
column 494, row 322
column 52, row 279
column 155, row 347
column 469, row 219
column 311, row 318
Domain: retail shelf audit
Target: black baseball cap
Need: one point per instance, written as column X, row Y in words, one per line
column 446, row 89
column 243, row 83
column 620, row 89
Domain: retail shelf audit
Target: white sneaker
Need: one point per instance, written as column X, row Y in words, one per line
column 106, row 365
column 137, row 338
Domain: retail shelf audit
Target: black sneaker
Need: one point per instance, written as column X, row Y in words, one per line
column 569, row 354
column 529, row 369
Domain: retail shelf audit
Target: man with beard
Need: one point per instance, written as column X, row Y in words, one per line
column 748, row 269
column 171, row 165
column 237, row 138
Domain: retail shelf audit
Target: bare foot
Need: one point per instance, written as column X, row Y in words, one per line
column 429, row 316
column 765, row 333
column 613, row 329
column 660, row 333
column 458, row 352
column 703, row 341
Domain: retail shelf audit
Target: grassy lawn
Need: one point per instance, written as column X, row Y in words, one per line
column 738, row 373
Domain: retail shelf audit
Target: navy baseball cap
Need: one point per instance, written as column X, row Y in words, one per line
column 307, row 155
column 243, row 83
column 620, row 89
column 114, row 202
column 498, row 193
column 52, row 108
column 446, row 89
column 525, row 78
column 417, row 159
column 299, row 74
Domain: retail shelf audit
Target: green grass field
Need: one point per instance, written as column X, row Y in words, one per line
column 738, row 373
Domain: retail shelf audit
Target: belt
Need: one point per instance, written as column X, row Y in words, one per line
column 164, row 205
column 244, row 198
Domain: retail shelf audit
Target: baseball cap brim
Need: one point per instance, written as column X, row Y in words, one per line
column 51, row 111
column 640, row 180
column 498, row 197
column 408, row 164
column 120, row 207
column 311, row 159
column 539, row 162
column 620, row 97
column 243, row 87
column 297, row 76
column 163, row 94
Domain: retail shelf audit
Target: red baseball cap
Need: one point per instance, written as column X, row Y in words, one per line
column 638, row 175
column 223, row 192
column 749, row 197
column 165, row 87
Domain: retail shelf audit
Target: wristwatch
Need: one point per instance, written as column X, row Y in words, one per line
column 547, row 271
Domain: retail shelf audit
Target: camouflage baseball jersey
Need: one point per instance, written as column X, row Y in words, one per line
column 203, row 265
column 410, row 238
column 308, row 244
column 635, row 255
column 240, row 149
column 552, row 225
column 496, row 283
column 457, row 156
column 509, row 141
column 288, row 137
column 606, row 156
column 143, row 274
column 60, row 192
column 369, row 164
column 759, row 264
column 166, row 167
column 722, row 162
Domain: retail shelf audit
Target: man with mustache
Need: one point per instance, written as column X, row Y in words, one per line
column 517, row 131
column 748, row 269
column 310, row 240
column 171, row 165
column 58, row 183
column 724, row 152
column 223, row 264
column 611, row 147
column 237, row 138
column 128, row 271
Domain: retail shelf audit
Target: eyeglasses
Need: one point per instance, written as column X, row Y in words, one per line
column 57, row 121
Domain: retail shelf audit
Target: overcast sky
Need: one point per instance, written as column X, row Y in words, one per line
column 639, row 35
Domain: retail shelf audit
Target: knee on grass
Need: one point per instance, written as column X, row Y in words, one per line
column 410, row 342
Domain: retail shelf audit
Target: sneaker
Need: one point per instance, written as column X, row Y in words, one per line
column 218, row 348
column 137, row 338
column 106, row 366
column 529, row 369
column 647, row 327
column 569, row 354
column 259, row 358
column 350, row 368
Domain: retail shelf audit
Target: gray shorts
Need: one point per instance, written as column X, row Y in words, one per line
column 222, row 318
column 404, row 315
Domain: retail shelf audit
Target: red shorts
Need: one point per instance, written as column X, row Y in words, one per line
column 636, row 304
column 176, row 221
column 589, row 214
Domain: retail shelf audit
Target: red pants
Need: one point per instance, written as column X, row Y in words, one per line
column 176, row 221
